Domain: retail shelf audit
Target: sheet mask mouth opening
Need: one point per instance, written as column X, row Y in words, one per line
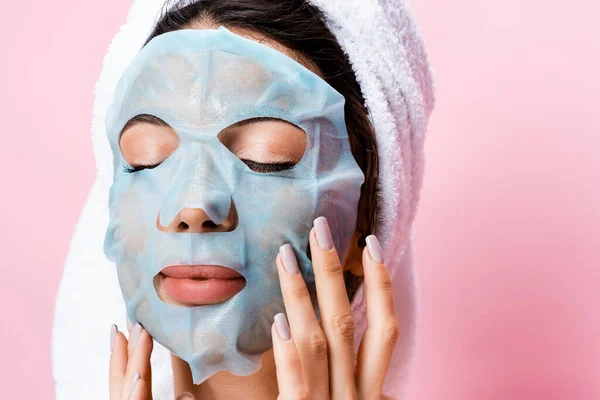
column 197, row 285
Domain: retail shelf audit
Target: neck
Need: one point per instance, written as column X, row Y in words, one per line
column 224, row 385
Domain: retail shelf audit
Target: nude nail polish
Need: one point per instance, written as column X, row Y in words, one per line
column 282, row 326
column 374, row 249
column 289, row 259
column 323, row 233
column 135, row 336
column 113, row 336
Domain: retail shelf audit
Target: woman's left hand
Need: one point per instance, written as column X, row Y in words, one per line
column 316, row 360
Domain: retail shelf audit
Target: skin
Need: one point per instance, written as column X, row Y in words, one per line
column 318, row 360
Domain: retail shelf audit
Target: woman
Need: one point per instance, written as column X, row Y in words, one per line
column 310, row 359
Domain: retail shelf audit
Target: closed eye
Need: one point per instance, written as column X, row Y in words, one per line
column 136, row 168
column 270, row 167
column 146, row 141
column 253, row 165
column 265, row 144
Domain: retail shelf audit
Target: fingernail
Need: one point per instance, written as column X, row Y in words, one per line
column 374, row 249
column 282, row 326
column 135, row 380
column 113, row 336
column 323, row 233
column 135, row 335
column 186, row 396
column 129, row 324
column 289, row 259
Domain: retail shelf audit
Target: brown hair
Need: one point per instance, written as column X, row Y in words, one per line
column 301, row 27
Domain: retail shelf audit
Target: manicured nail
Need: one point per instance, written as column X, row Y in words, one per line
column 186, row 396
column 135, row 335
column 113, row 336
column 134, row 382
column 129, row 323
column 289, row 259
column 323, row 233
column 282, row 326
column 374, row 249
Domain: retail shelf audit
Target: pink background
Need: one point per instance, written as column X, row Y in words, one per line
column 508, row 232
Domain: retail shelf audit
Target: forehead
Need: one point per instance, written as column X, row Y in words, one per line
column 262, row 39
column 202, row 80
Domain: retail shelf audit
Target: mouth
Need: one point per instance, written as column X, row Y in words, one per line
column 197, row 285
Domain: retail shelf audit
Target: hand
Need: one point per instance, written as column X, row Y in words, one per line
column 316, row 360
column 130, row 374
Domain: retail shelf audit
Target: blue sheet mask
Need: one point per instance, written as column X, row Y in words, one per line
column 200, row 82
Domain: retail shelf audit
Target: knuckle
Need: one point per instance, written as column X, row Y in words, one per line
column 300, row 291
column 343, row 326
column 332, row 266
column 301, row 392
column 385, row 283
column 316, row 344
column 293, row 358
column 391, row 333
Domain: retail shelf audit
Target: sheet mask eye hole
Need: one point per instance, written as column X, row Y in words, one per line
column 265, row 144
column 146, row 141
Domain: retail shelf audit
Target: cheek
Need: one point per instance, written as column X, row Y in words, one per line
column 129, row 278
column 330, row 149
column 334, row 206
column 290, row 217
column 131, row 227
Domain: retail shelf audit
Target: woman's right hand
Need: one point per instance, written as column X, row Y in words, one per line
column 130, row 372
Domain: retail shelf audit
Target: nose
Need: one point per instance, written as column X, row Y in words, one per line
column 196, row 220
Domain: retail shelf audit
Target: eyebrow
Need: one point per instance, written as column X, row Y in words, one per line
column 143, row 119
column 151, row 119
column 253, row 120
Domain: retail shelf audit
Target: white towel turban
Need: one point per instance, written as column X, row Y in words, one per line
column 384, row 46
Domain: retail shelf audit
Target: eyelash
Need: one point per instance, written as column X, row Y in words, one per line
column 271, row 167
column 254, row 166
column 131, row 170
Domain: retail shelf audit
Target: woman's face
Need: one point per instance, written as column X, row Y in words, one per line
column 224, row 151
column 265, row 145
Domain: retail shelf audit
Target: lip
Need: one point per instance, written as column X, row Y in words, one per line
column 196, row 285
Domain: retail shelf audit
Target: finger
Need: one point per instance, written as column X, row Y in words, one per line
column 136, row 337
column 336, row 314
column 118, row 362
column 140, row 349
column 306, row 332
column 379, row 341
column 138, row 389
column 290, row 377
